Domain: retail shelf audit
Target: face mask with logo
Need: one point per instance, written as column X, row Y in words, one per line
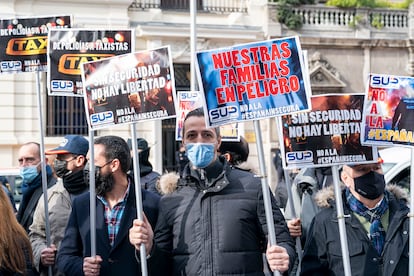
column 29, row 173
column 370, row 185
column 200, row 154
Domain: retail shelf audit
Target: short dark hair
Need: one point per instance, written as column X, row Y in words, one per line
column 239, row 150
column 198, row 112
column 116, row 148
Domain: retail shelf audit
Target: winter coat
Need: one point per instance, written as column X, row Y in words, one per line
column 215, row 230
column 118, row 259
column 60, row 206
column 323, row 256
column 304, row 188
column 29, row 202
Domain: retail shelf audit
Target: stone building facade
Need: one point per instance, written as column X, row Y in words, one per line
column 343, row 46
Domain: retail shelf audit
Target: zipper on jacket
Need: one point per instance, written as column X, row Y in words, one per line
column 208, row 242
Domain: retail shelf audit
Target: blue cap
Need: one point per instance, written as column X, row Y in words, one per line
column 74, row 144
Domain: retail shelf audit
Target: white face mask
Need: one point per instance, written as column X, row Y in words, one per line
column 200, row 154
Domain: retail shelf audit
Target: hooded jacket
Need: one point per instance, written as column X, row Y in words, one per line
column 218, row 229
column 322, row 255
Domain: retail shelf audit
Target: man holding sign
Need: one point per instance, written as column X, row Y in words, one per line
column 214, row 223
column 115, row 211
column 376, row 222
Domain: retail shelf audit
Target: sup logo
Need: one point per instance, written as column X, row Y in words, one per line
column 62, row 86
column 384, row 81
column 102, row 118
column 296, row 157
column 224, row 113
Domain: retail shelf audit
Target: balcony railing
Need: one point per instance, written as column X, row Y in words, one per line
column 312, row 15
column 217, row 6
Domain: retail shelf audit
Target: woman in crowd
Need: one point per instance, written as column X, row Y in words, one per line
column 15, row 249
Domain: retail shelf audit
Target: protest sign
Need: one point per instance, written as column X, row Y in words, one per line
column 23, row 42
column 188, row 101
column 69, row 48
column 389, row 110
column 327, row 135
column 253, row 81
column 129, row 88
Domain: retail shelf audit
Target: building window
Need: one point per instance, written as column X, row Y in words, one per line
column 65, row 115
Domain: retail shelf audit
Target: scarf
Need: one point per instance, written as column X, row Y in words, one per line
column 376, row 231
column 74, row 183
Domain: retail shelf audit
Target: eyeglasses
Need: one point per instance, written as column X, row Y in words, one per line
column 105, row 164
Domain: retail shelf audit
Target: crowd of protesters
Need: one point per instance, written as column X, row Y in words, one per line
column 208, row 218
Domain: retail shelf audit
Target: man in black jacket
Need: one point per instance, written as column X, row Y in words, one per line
column 215, row 222
column 376, row 224
column 115, row 211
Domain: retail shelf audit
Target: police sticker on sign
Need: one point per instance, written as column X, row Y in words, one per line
column 102, row 118
column 11, row 66
column 62, row 85
column 384, row 81
column 187, row 96
column 224, row 113
column 299, row 157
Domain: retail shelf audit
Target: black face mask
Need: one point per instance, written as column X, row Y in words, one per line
column 370, row 185
column 61, row 168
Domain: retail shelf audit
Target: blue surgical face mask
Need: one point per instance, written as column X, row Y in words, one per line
column 29, row 173
column 200, row 154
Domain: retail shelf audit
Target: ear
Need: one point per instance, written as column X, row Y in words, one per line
column 346, row 179
column 218, row 142
column 80, row 160
column 115, row 165
column 227, row 156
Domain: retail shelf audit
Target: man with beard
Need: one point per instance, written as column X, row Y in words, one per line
column 69, row 163
column 115, row 212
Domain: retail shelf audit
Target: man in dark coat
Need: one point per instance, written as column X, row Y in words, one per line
column 215, row 222
column 30, row 171
column 115, row 212
column 148, row 177
column 376, row 223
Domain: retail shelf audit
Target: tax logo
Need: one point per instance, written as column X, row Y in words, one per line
column 27, row 46
column 224, row 113
column 297, row 157
column 70, row 64
column 62, row 86
column 102, row 118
